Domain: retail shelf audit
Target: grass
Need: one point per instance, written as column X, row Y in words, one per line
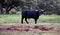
column 16, row 18
column 50, row 18
column 7, row 19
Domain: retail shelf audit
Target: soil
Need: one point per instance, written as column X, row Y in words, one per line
column 30, row 28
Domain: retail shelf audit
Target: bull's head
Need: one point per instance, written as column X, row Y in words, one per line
column 41, row 11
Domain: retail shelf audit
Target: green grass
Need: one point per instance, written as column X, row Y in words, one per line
column 50, row 18
column 8, row 18
column 16, row 18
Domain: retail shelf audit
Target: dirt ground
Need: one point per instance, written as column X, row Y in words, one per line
column 28, row 28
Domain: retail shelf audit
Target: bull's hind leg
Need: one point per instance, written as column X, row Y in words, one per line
column 35, row 21
column 26, row 21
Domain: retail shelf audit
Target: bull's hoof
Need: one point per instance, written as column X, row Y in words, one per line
column 21, row 23
column 27, row 23
column 35, row 23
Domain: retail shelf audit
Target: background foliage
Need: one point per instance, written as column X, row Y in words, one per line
column 51, row 6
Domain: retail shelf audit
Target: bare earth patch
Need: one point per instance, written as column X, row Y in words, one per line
column 30, row 28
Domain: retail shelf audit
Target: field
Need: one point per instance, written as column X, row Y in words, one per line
column 15, row 20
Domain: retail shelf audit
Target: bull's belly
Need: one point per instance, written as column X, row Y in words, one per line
column 31, row 17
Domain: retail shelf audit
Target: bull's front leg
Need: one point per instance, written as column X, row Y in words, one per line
column 26, row 21
column 35, row 21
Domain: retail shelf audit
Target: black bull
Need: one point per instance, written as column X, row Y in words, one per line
column 31, row 14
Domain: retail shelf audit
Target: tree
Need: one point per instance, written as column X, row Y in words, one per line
column 9, row 4
column 1, row 6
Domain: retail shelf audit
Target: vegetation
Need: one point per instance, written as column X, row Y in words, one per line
column 51, row 6
column 16, row 19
